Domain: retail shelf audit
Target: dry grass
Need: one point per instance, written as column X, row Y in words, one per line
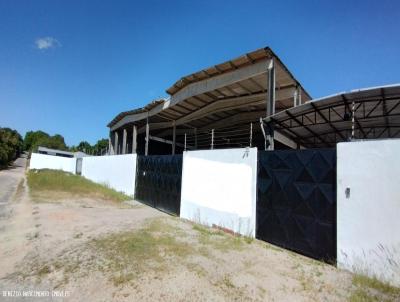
column 218, row 239
column 371, row 289
column 49, row 184
column 129, row 254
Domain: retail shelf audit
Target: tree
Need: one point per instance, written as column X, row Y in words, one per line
column 101, row 146
column 84, row 146
column 10, row 146
column 34, row 139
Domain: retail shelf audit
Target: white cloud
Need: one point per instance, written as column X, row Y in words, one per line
column 47, row 43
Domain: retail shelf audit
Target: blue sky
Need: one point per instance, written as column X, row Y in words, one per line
column 69, row 67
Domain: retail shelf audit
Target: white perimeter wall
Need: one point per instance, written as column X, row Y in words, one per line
column 44, row 161
column 219, row 187
column 115, row 171
column 368, row 222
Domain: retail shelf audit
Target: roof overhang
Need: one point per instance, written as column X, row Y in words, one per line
column 329, row 120
column 228, row 93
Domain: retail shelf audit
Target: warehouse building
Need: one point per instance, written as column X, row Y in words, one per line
column 242, row 146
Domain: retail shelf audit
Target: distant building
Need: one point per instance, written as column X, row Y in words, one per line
column 55, row 152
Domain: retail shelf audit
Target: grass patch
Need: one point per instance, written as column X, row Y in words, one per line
column 360, row 295
column 121, row 257
column 129, row 254
column 363, row 282
column 218, row 239
column 49, row 182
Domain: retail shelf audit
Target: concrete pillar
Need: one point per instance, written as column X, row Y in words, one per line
column 195, row 138
column 115, row 142
column 146, row 149
column 295, row 98
column 173, row 137
column 271, row 101
column 299, row 95
column 124, row 135
column 134, row 139
column 110, row 148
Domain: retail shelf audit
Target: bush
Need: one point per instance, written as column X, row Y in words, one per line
column 10, row 146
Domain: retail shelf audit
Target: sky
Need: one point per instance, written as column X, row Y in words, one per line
column 68, row 67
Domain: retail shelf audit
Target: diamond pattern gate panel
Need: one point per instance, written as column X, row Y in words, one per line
column 158, row 182
column 296, row 201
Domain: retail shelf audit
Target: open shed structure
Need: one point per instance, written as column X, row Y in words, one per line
column 252, row 101
column 217, row 107
column 372, row 113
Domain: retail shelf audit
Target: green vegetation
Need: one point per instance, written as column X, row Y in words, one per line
column 360, row 295
column 129, row 254
column 371, row 289
column 10, row 146
column 51, row 181
column 98, row 148
column 218, row 239
column 34, row 139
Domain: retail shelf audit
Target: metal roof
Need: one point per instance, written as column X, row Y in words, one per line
column 146, row 108
column 224, row 94
column 228, row 66
column 326, row 121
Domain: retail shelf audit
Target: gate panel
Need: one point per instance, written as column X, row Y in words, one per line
column 296, row 201
column 158, row 182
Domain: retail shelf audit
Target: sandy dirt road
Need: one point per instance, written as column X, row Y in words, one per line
column 98, row 250
column 9, row 180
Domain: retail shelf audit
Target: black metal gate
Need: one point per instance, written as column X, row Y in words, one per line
column 158, row 182
column 296, row 201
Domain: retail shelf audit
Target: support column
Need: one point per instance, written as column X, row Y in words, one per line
column 146, row 149
column 134, row 139
column 110, row 148
column 115, row 142
column 271, row 102
column 173, row 137
column 195, row 138
column 124, row 135
column 299, row 95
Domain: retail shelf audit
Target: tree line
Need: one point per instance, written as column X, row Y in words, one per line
column 12, row 144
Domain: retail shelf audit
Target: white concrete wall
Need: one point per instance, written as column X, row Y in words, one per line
column 219, row 187
column 368, row 221
column 116, row 171
column 44, row 161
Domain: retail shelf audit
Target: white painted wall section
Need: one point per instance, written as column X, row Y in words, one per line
column 219, row 188
column 115, row 171
column 44, row 161
column 368, row 219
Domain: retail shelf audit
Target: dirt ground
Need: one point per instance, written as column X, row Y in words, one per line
column 95, row 250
